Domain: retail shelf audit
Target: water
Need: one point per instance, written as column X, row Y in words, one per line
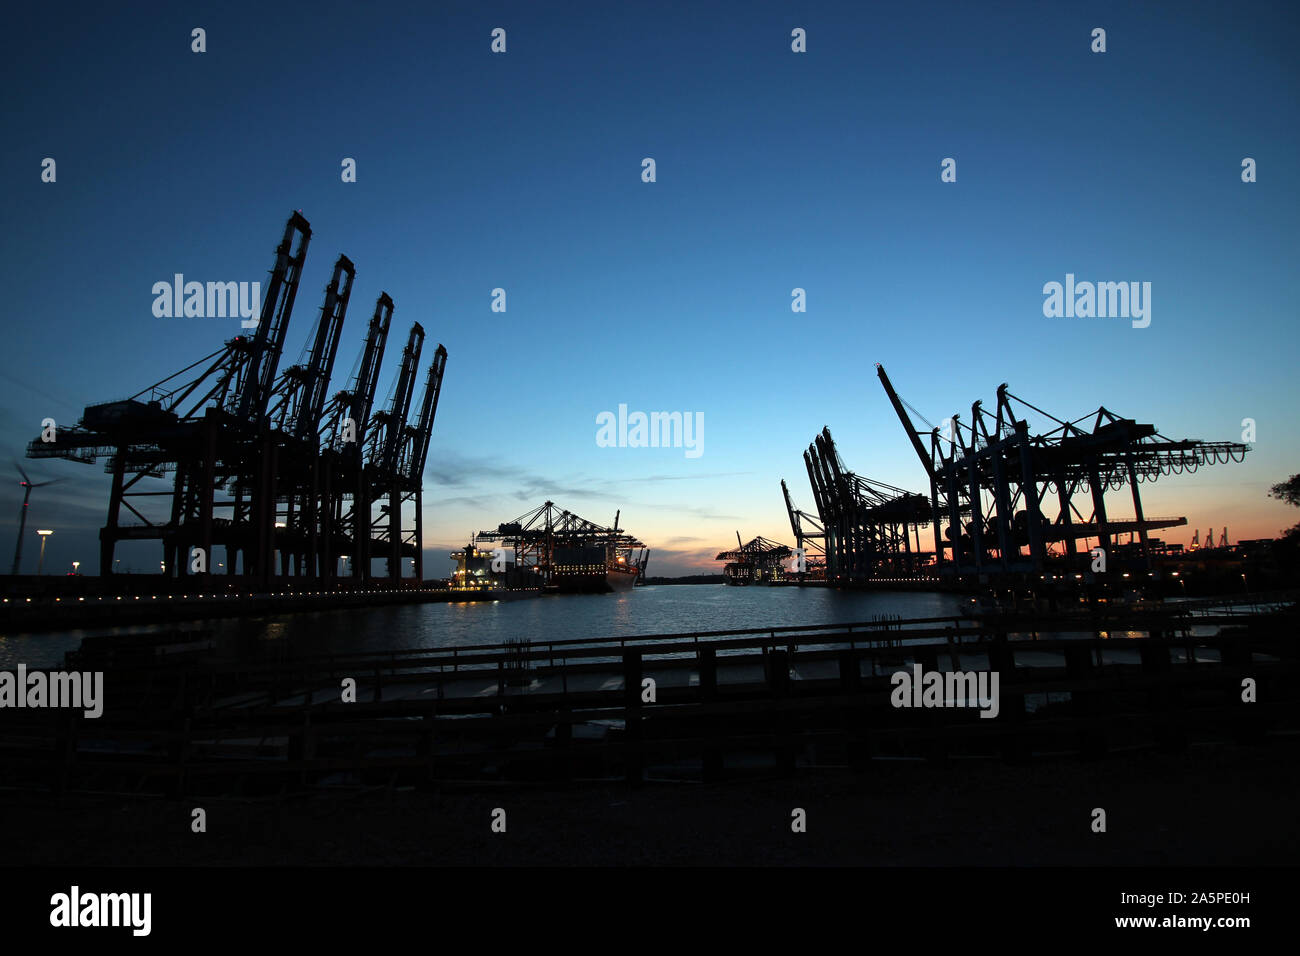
column 649, row 610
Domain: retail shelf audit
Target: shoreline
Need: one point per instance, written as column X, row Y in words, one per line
column 129, row 610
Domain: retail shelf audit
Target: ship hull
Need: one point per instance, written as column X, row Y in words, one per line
column 620, row 580
column 614, row 579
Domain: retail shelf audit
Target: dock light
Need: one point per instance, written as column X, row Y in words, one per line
column 44, row 534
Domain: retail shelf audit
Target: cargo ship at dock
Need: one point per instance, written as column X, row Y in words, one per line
column 554, row 550
column 593, row 568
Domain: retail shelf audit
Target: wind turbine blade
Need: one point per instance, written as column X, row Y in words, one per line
column 23, row 473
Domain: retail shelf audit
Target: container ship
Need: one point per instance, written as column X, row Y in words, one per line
column 593, row 568
column 564, row 553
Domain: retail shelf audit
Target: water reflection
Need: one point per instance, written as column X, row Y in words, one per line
column 648, row 610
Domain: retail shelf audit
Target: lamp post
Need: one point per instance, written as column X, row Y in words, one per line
column 75, row 565
column 44, row 533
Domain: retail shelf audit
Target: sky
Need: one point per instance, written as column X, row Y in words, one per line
column 774, row 171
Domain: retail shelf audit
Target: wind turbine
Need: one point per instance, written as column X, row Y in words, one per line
column 22, row 520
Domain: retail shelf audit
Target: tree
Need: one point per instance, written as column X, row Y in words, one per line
column 1288, row 491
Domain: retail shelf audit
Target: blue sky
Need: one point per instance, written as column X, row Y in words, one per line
column 775, row 170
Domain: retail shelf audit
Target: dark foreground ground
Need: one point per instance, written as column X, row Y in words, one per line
column 1224, row 804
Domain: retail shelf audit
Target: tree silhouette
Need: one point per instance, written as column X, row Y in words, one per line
column 1288, row 491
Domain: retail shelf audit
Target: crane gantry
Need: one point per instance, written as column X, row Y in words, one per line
column 263, row 462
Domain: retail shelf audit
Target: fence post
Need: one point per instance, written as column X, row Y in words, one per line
column 708, row 664
column 778, row 681
column 850, row 671
column 563, row 744
column 778, row 672
column 427, row 741
column 633, row 756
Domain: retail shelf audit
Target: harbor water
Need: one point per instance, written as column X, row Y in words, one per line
column 655, row 609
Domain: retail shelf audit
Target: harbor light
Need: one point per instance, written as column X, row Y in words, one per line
column 44, row 533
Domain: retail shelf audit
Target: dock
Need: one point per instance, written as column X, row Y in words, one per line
column 702, row 706
column 53, row 604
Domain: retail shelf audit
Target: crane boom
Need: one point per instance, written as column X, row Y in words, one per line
column 387, row 450
column 912, row 434
column 419, row 452
column 266, row 344
column 325, row 348
column 300, row 391
column 794, row 520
